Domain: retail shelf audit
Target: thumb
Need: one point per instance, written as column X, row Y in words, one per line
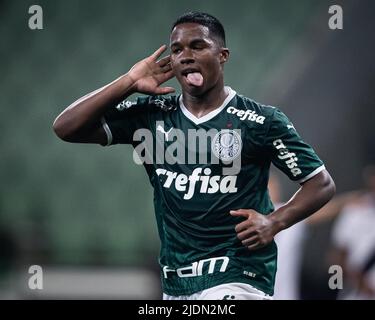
column 238, row 213
column 164, row 90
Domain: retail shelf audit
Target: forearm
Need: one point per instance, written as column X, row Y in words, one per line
column 312, row 195
column 87, row 111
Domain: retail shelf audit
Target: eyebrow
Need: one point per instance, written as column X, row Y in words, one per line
column 194, row 41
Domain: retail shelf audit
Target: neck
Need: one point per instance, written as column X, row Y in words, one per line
column 201, row 105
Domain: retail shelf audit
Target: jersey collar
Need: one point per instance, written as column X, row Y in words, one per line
column 211, row 114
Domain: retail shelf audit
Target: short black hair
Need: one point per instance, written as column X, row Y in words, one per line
column 204, row 19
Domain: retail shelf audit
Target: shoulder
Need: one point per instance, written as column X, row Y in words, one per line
column 164, row 103
column 142, row 107
column 251, row 110
column 155, row 103
column 160, row 103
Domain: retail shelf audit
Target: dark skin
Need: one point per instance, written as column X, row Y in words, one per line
column 192, row 47
column 258, row 230
column 80, row 122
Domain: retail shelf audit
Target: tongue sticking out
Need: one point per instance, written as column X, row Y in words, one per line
column 195, row 79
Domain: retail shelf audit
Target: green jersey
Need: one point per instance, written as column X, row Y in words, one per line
column 196, row 183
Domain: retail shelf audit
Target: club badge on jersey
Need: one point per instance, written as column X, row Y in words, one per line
column 227, row 145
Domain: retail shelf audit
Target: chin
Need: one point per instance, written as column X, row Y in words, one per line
column 194, row 91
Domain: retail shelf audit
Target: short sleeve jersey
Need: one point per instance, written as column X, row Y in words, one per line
column 200, row 169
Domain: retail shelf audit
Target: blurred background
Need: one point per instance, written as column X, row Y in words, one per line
column 84, row 213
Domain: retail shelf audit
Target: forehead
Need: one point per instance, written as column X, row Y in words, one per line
column 188, row 31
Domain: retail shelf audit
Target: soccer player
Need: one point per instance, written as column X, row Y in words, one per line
column 215, row 219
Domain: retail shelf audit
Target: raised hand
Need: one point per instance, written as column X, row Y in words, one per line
column 149, row 73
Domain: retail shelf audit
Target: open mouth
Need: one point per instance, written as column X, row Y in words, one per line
column 193, row 77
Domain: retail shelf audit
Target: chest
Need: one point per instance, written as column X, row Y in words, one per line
column 222, row 140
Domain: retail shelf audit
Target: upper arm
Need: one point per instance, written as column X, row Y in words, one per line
column 289, row 152
column 322, row 185
column 95, row 134
column 120, row 123
column 116, row 125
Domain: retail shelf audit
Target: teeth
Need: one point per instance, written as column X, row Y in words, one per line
column 187, row 72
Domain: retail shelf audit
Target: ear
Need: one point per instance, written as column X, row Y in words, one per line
column 224, row 55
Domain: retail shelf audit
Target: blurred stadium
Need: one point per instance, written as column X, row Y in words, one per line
column 84, row 213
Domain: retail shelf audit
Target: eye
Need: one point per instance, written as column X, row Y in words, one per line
column 198, row 47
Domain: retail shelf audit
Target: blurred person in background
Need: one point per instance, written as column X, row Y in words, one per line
column 293, row 281
column 217, row 230
column 353, row 238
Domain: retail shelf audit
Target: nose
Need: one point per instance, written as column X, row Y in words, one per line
column 187, row 60
column 186, row 57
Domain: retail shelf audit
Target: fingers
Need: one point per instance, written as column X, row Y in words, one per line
column 239, row 213
column 164, row 61
column 254, row 242
column 246, row 233
column 164, row 64
column 164, row 90
column 255, row 246
column 244, row 225
column 250, row 241
column 165, row 76
column 158, row 52
column 166, row 68
column 254, row 231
